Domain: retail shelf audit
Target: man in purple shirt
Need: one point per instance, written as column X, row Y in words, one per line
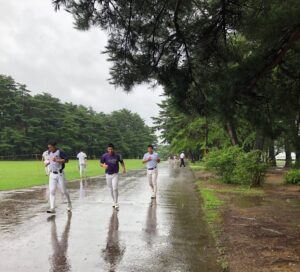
column 110, row 161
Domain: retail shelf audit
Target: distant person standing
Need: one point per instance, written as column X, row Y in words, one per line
column 82, row 161
column 46, row 161
column 182, row 157
column 110, row 161
column 151, row 159
column 57, row 159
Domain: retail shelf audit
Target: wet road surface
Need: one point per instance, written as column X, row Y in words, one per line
column 167, row 234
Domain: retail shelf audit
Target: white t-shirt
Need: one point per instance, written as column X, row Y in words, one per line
column 81, row 156
column 46, row 157
column 153, row 162
column 182, row 155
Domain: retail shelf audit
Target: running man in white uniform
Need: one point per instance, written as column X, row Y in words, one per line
column 57, row 159
column 82, row 160
column 151, row 159
column 110, row 161
column 46, row 161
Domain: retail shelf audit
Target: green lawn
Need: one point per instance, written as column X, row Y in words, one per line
column 197, row 166
column 25, row 174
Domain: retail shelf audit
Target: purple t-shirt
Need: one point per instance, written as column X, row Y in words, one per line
column 112, row 161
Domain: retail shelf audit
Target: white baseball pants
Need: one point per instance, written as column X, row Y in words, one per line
column 47, row 170
column 82, row 168
column 112, row 183
column 152, row 179
column 59, row 179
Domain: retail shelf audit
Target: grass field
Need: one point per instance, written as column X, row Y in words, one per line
column 25, row 174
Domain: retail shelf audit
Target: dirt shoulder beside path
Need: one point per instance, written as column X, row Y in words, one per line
column 260, row 228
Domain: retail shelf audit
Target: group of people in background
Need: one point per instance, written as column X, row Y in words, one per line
column 173, row 159
column 55, row 159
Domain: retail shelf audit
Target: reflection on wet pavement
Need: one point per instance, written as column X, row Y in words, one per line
column 59, row 260
column 114, row 249
column 151, row 223
column 166, row 234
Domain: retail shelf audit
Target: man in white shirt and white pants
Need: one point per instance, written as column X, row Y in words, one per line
column 182, row 156
column 46, row 160
column 82, row 160
column 58, row 159
column 151, row 159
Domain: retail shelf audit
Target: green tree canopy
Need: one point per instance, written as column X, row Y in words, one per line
column 27, row 122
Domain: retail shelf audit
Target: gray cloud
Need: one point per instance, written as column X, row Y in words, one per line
column 41, row 49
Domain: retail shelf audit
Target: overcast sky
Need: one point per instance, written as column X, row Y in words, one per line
column 40, row 48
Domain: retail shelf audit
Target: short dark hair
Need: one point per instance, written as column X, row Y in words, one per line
column 111, row 145
column 150, row 145
column 52, row 142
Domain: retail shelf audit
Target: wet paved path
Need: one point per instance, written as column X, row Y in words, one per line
column 163, row 235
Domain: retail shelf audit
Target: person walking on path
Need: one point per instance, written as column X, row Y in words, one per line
column 45, row 159
column 151, row 159
column 57, row 161
column 82, row 162
column 110, row 161
column 182, row 157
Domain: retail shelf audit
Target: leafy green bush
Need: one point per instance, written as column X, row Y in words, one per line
column 233, row 165
column 223, row 161
column 292, row 176
column 249, row 169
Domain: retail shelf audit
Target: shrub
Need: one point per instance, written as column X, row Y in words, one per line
column 249, row 169
column 292, row 176
column 223, row 161
column 233, row 165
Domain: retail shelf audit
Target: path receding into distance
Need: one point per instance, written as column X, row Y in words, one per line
column 168, row 234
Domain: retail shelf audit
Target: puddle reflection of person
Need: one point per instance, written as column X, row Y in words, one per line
column 83, row 185
column 151, row 223
column 59, row 260
column 114, row 251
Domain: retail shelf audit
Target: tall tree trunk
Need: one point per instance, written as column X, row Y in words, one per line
column 272, row 158
column 297, row 162
column 232, row 133
column 297, row 140
column 297, row 151
column 288, row 155
column 206, row 135
column 259, row 139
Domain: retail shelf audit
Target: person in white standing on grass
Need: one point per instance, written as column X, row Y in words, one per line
column 57, row 159
column 110, row 161
column 151, row 159
column 45, row 159
column 82, row 160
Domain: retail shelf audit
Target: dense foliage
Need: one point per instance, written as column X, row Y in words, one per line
column 233, row 165
column 292, row 176
column 27, row 122
column 230, row 64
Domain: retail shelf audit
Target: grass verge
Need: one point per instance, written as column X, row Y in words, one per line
column 212, row 212
column 26, row 174
column 197, row 166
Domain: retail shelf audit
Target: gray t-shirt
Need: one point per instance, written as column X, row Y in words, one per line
column 153, row 162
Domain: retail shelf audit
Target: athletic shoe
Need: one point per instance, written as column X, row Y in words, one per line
column 51, row 211
column 69, row 208
column 115, row 206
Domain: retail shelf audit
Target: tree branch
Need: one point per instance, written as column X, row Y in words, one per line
column 277, row 58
